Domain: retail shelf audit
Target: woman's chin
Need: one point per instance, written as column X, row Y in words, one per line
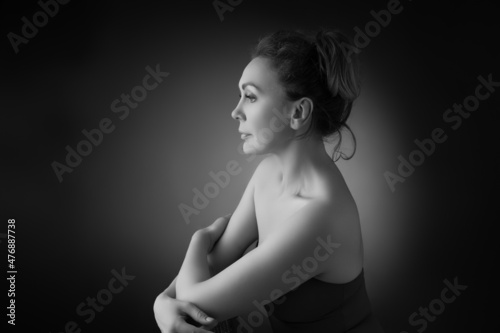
column 250, row 149
column 253, row 146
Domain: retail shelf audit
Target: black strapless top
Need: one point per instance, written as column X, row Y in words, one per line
column 318, row 306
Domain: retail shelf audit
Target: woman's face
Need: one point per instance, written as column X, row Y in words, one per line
column 263, row 109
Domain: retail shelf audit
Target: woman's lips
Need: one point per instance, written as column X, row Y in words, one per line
column 245, row 135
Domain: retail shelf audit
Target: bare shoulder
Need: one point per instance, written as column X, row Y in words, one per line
column 268, row 163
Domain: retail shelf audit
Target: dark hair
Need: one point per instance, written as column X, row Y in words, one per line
column 316, row 66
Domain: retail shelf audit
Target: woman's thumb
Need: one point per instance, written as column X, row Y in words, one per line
column 198, row 315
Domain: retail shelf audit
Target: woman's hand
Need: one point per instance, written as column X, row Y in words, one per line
column 171, row 315
column 212, row 233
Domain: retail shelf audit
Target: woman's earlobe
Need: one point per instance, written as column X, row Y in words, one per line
column 297, row 118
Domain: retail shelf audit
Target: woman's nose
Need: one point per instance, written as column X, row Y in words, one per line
column 237, row 113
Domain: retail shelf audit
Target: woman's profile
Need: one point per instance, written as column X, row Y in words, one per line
column 295, row 93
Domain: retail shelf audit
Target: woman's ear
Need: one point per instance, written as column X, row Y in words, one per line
column 301, row 113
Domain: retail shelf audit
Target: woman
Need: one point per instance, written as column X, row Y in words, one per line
column 307, row 269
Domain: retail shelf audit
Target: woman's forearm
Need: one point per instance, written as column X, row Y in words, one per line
column 195, row 267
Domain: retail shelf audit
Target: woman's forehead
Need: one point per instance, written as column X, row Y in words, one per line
column 259, row 73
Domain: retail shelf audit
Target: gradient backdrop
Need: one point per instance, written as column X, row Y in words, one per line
column 119, row 206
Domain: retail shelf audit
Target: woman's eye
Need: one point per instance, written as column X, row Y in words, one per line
column 250, row 97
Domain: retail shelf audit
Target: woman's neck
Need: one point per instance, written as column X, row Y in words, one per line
column 299, row 162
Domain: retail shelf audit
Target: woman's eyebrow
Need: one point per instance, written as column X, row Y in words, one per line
column 250, row 84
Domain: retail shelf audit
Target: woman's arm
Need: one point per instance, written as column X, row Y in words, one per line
column 195, row 267
column 264, row 274
column 170, row 291
column 237, row 234
column 172, row 315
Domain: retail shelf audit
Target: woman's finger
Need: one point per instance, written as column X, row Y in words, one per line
column 218, row 227
column 197, row 314
column 223, row 220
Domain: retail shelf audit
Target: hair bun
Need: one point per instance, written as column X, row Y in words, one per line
column 339, row 70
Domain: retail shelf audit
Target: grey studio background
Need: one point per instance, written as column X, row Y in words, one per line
column 117, row 212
